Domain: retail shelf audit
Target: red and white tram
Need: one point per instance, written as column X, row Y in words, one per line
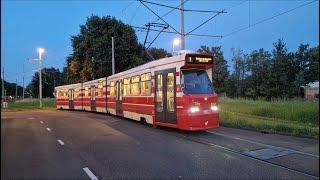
column 69, row 97
column 175, row 92
column 94, row 95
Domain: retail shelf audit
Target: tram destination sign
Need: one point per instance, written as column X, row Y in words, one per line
column 199, row 59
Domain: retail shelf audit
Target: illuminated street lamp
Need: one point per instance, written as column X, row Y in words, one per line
column 40, row 52
column 175, row 42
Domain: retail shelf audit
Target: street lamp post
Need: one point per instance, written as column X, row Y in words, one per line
column 175, row 42
column 40, row 52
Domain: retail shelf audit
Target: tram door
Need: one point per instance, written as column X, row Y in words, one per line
column 93, row 98
column 165, row 96
column 119, row 93
column 71, row 99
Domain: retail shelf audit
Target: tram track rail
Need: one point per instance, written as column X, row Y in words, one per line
column 263, row 144
column 236, row 152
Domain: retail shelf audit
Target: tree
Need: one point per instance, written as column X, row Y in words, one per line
column 158, row 53
column 11, row 89
column 64, row 76
column 50, row 77
column 91, row 57
column 279, row 80
column 86, row 73
column 231, row 86
column 312, row 73
column 220, row 68
column 239, row 74
column 259, row 69
column 298, row 70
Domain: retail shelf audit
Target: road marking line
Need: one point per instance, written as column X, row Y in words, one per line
column 48, row 129
column 266, row 145
column 31, row 118
column 61, row 142
column 90, row 174
column 41, row 122
column 4, row 117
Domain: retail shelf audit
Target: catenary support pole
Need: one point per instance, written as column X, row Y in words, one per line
column 54, row 87
column 16, row 96
column 182, row 27
column 113, row 63
column 40, row 80
column 22, row 87
column 2, row 85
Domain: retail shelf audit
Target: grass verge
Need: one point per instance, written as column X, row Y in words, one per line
column 29, row 105
column 299, row 118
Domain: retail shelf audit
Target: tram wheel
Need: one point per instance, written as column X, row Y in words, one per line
column 143, row 121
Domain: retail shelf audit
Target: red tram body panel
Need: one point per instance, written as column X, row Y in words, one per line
column 69, row 97
column 94, row 95
column 175, row 92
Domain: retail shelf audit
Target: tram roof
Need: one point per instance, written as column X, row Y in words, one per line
column 150, row 65
column 68, row 86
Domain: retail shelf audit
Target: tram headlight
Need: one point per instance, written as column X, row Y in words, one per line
column 214, row 107
column 194, row 109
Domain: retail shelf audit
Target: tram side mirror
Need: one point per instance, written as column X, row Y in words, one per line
column 182, row 86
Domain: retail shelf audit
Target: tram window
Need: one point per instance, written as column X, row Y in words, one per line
column 93, row 92
column 70, row 97
column 135, row 85
column 112, row 88
column 117, row 90
column 121, row 90
column 170, row 92
column 76, row 93
column 86, row 92
column 146, row 84
column 96, row 92
column 126, row 87
column 64, row 94
column 159, row 94
column 100, row 88
column 196, row 82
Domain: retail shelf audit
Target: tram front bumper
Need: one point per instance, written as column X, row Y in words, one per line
column 201, row 121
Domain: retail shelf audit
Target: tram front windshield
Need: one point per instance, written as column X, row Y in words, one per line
column 196, row 82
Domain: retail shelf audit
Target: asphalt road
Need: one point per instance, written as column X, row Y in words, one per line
column 82, row 145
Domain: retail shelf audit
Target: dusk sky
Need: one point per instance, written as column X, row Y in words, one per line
column 26, row 25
